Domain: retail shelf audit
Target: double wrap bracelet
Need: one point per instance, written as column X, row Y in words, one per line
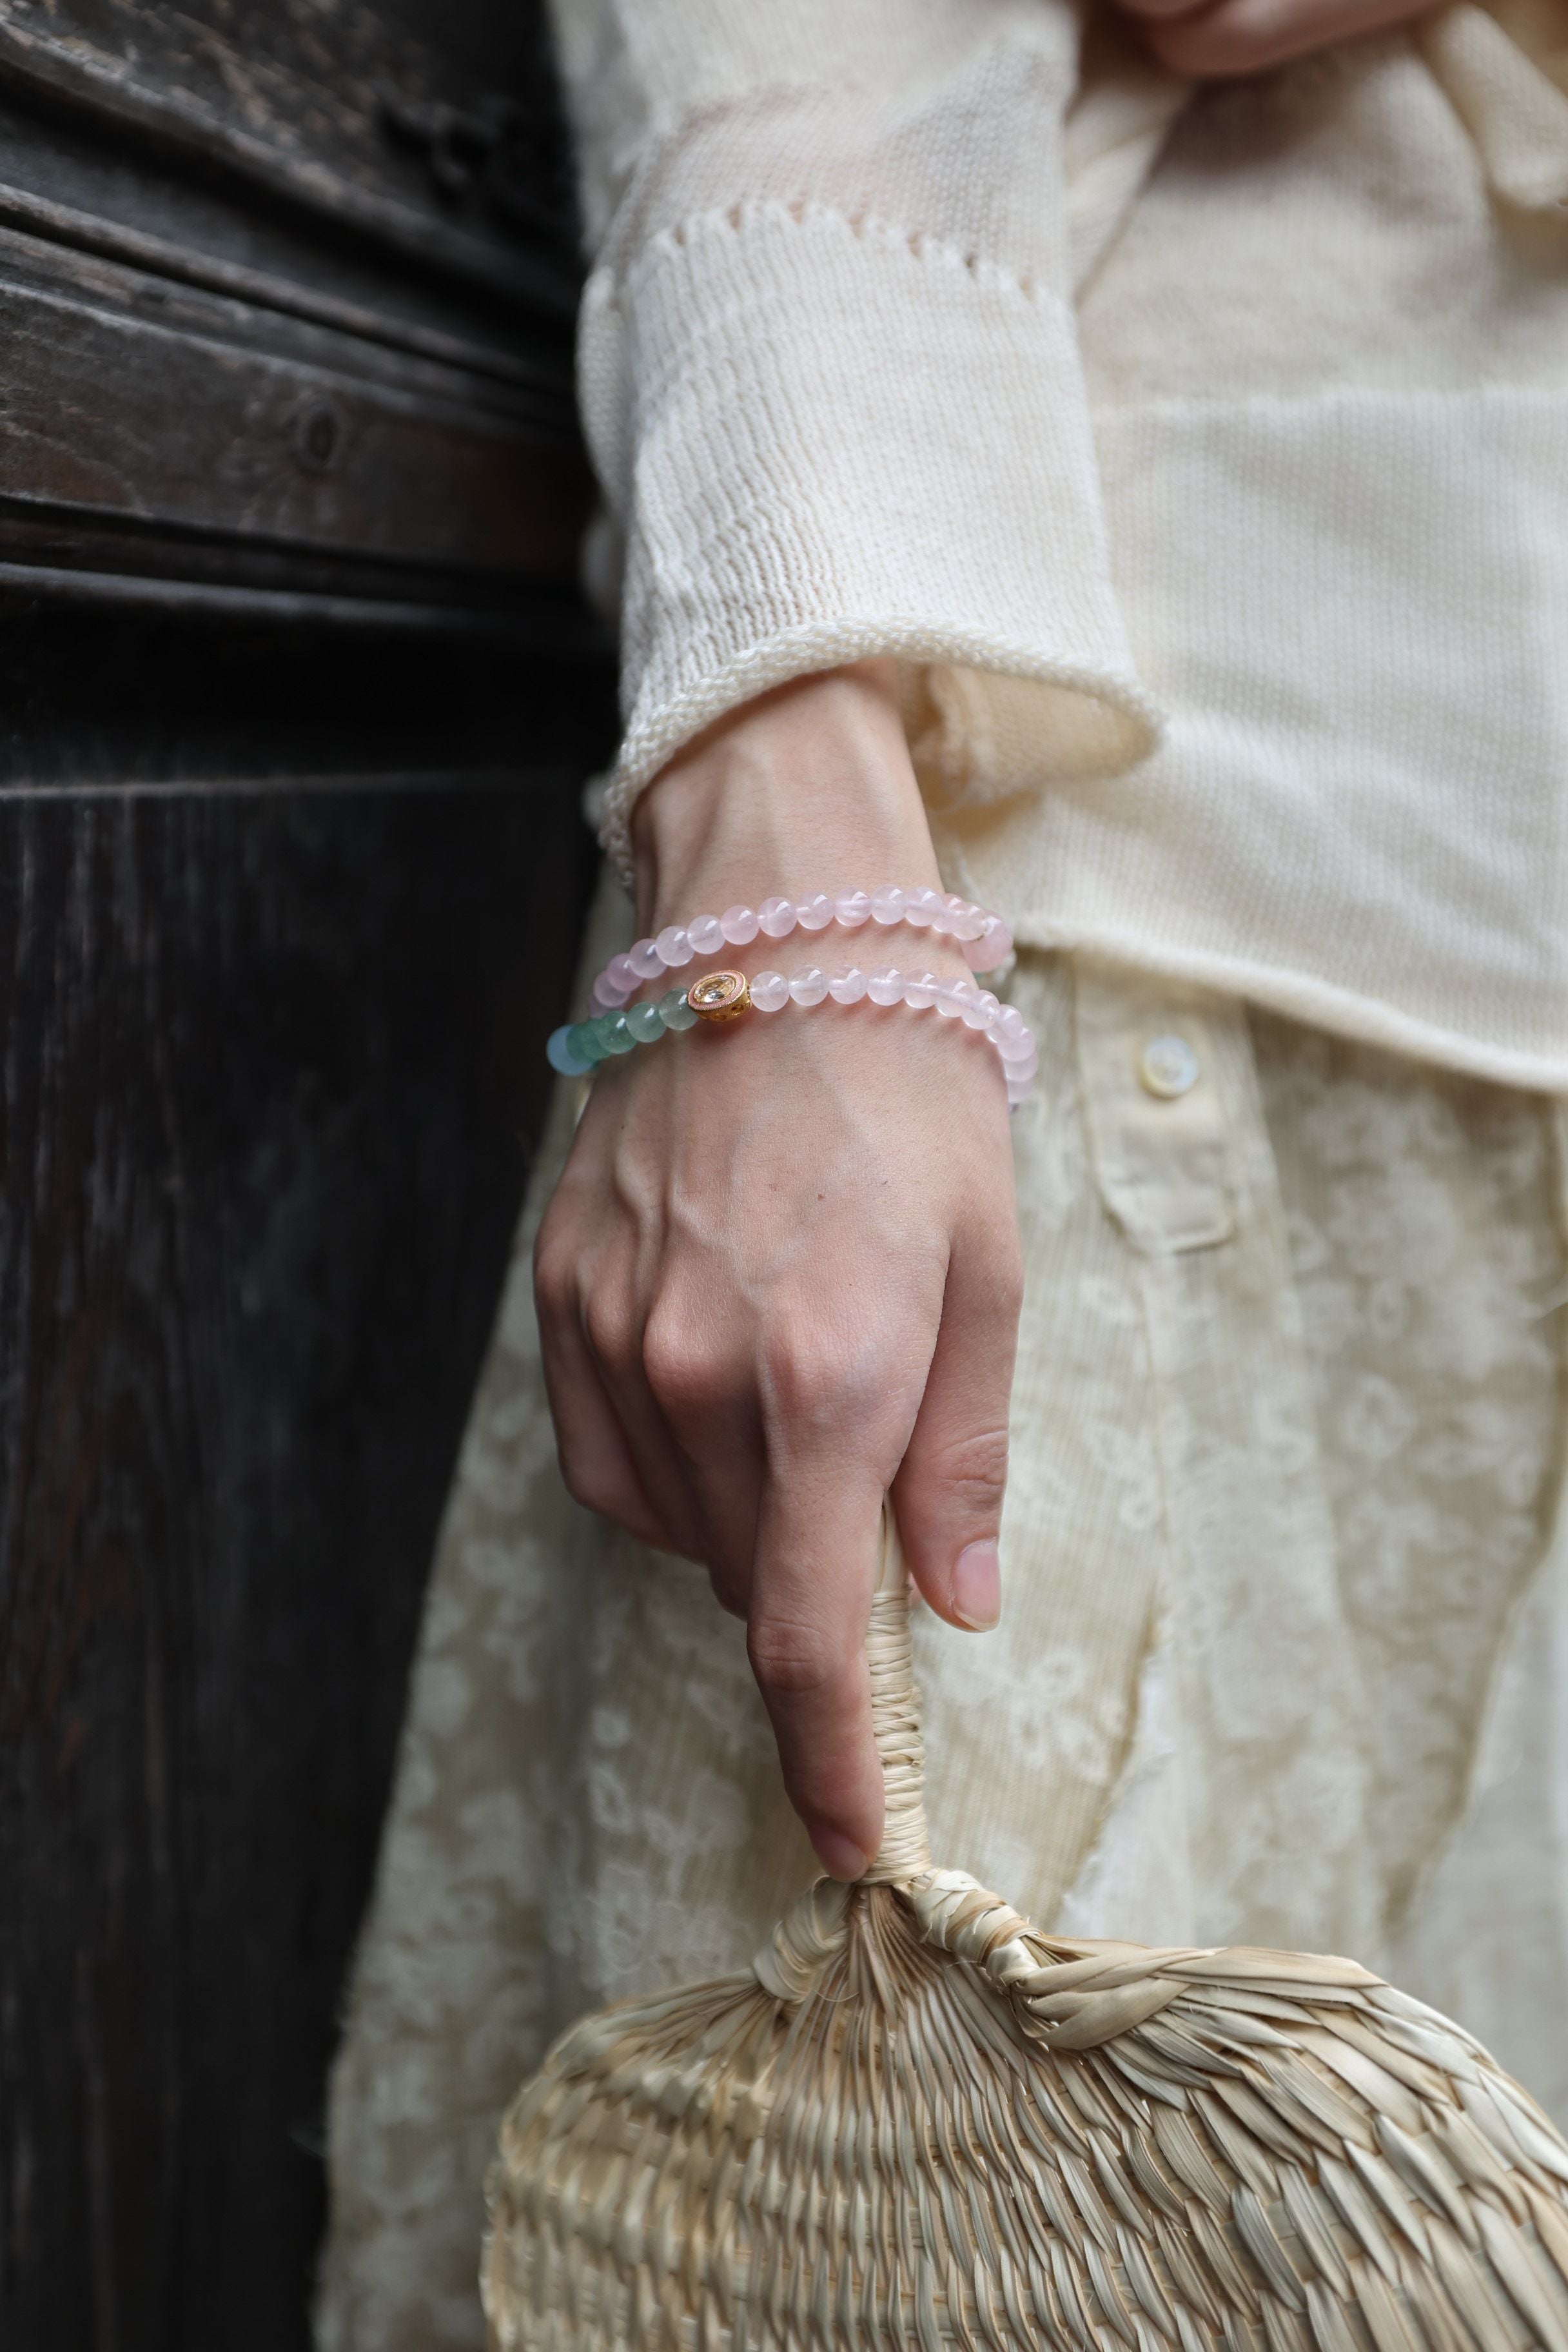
column 615, row 1026
column 985, row 939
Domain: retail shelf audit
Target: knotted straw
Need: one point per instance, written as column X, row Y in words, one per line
column 917, row 2123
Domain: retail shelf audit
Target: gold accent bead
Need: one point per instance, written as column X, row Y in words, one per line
column 719, row 995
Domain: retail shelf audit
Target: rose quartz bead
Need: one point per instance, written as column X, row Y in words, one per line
column 1011, row 1023
column 993, row 946
column 675, row 945
column 810, row 986
column 887, row 904
column 706, row 934
column 851, row 908
column 770, row 991
column 620, row 974
column 885, row 984
column 739, row 925
column 922, row 907
column 847, row 987
column 1021, row 1073
column 978, row 1009
column 776, row 917
column 645, row 960
column 1014, row 1045
column 922, row 992
column 950, row 998
column 813, row 914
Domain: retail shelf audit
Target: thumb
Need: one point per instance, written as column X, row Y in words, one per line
column 948, row 1493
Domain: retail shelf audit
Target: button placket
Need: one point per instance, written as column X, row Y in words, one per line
column 1154, row 1108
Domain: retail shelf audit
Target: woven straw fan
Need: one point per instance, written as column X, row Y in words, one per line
column 918, row 2123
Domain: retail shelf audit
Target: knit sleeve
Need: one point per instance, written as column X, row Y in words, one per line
column 828, row 365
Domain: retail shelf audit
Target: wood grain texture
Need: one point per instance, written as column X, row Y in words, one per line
column 296, row 695
column 191, row 409
column 269, row 1071
column 292, row 102
column 345, row 374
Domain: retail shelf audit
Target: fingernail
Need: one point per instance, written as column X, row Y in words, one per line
column 978, row 1587
column 839, row 1855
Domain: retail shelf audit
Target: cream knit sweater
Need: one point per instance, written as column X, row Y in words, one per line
column 1203, row 456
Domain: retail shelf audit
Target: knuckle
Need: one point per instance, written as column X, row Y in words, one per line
column 973, row 1470
column 812, row 1372
column 956, row 1483
column 686, row 1368
column 791, row 1659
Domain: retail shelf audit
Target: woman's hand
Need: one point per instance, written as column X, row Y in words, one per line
column 780, row 1274
column 1241, row 37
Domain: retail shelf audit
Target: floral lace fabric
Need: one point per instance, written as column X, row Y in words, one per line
column 1283, row 1610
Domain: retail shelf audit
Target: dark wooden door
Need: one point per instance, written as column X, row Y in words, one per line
column 297, row 696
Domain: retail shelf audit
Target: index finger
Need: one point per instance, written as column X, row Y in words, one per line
column 818, row 1532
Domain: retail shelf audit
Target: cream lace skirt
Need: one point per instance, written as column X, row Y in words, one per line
column 1283, row 1615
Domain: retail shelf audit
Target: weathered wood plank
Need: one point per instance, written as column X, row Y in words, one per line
column 294, row 102
column 267, row 1068
column 130, row 394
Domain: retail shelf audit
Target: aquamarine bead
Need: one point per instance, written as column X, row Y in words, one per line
column 616, row 1032
column 582, row 1039
column 560, row 1056
column 646, row 1023
column 675, row 1011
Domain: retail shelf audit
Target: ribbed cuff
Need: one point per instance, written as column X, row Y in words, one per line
column 830, row 441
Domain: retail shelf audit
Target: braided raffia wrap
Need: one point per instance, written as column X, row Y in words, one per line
column 917, row 2123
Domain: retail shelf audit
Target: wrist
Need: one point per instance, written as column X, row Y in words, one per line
column 809, row 788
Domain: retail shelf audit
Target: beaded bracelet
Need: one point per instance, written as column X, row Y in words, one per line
column 985, row 939
column 581, row 1045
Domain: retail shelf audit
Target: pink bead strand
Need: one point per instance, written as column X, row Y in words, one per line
column 1003, row 1027
column 985, row 939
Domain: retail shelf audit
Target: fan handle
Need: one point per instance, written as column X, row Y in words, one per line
column 904, row 1854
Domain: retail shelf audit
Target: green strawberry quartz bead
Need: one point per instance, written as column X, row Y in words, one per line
column 572, row 1050
column 581, row 1045
column 583, row 1042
